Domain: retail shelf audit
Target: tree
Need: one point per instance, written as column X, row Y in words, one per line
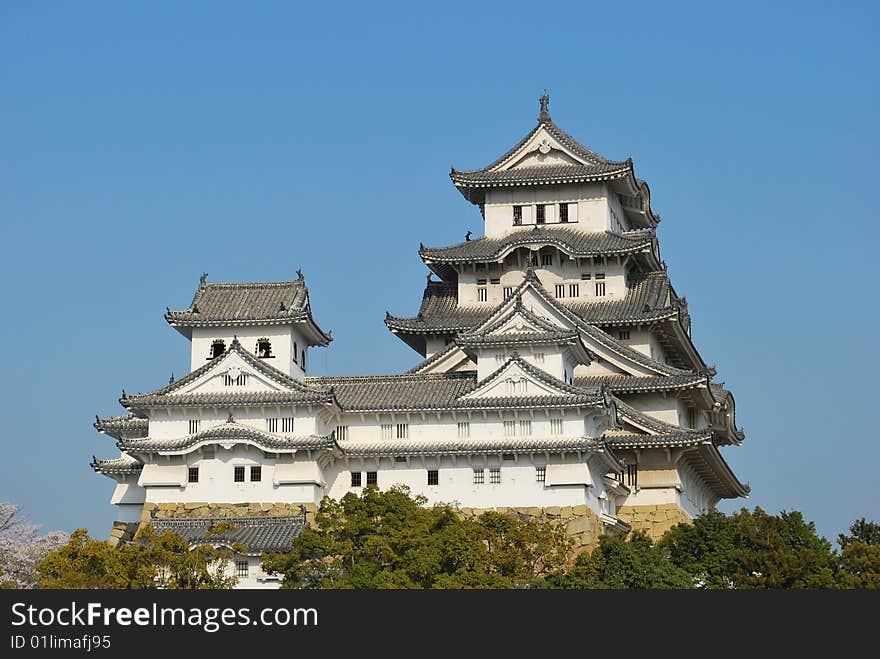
column 753, row 550
column 392, row 540
column 621, row 563
column 21, row 547
column 153, row 560
column 860, row 556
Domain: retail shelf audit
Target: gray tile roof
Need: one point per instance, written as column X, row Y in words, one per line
column 517, row 339
column 666, row 440
column 444, row 391
column 637, row 417
column 229, row 431
column 243, row 304
column 542, row 175
column 627, row 384
column 125, row 425
column 397, row 392
column 469, row 447
column 258, row 533
column 440, row 312
column 571, row 241
column 122, row 466
column 296, row 391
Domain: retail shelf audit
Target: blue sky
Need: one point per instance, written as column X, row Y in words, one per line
column 142, row 145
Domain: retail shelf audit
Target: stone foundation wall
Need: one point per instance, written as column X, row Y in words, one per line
column 153, row 511
column 581, row 523
column 122, row 532
column 653, row 520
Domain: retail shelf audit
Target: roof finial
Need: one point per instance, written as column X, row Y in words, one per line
column 467, row 236
column 202, row 279
column 171, row 379
column 299, row 275
column 229, row 418
column 544, row 117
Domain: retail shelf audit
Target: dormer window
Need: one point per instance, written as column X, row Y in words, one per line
column 218, row 347
column 264, row 348
column 517, row 215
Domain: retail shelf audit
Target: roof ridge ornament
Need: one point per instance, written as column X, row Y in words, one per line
column 544, row 117
column 299, row 275
column 202, row 279
column 229, row 418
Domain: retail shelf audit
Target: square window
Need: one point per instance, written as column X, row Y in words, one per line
column 510, row 428
column 241, row 569
column 540, row 474
column 256, row 474
column 193, row 426
column 574, row 290
column 555, row 426
column 238, row 475
column 600, row 289
column 508, row 292
column 482, row 295
column 546, row 259
column 464, row 428
column 623, row 335
column 287, row 424
column 402, row 430
column 560, row 290
column 192, row 475
column 387, row 431
column 525, row 427
column 433, row 477
column 479, row 476
column 272, row 424
column 495, row 475
column 341, row 433
column 355, row 479
column 372, row 477
column 563, row 212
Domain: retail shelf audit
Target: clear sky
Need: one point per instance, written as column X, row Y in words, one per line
column 141, row 145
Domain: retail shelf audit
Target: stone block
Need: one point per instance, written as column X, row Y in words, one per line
column 578, row 525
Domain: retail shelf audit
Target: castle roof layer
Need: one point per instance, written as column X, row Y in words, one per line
column 258, row 533
column 248, row 304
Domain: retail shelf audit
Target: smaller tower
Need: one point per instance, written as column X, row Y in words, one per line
column 271, row 319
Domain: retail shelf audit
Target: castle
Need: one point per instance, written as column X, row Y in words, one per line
column 558, row 380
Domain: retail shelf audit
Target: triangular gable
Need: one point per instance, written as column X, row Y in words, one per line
column 541, row 150
column 516, row 378
column 231, row 365
column 451, row 359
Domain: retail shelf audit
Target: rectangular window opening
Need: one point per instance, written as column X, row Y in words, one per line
column 433, row 477
column 238, row 474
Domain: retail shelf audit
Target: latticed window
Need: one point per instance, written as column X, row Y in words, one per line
column 464, row 428
column 372, row 477
column 495, row 475
column 510, row 428
column 402, row 430
column 539, row 357
column 233, row 380
column 192, row 475
column 481, row 282
column 241, row 569
column 517, row 215
column 632, row 475
column 508, row 292
column 482, row 294
column 563, row 212
column 541, row 474
column 540, row 214
column 433, row 477
column 256, row 474
column 387, row 431
column 479, row 476
column 574, row 290
column 287, row 424
column 586, row 276
column 193, row 426
column 272, row 424
column 560, row 290
column 525, row 427
column 355, row 479
column 238, row 474
column 495, row 280
column 600, row 289
column 555, row 426
column 623, row 335
column 546, row 259
column 341, row 433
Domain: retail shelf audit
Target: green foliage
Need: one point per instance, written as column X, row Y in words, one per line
column 621, row 563
column 391, row 540
column 154, row 560
column 753, row 550
column 860, row 556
